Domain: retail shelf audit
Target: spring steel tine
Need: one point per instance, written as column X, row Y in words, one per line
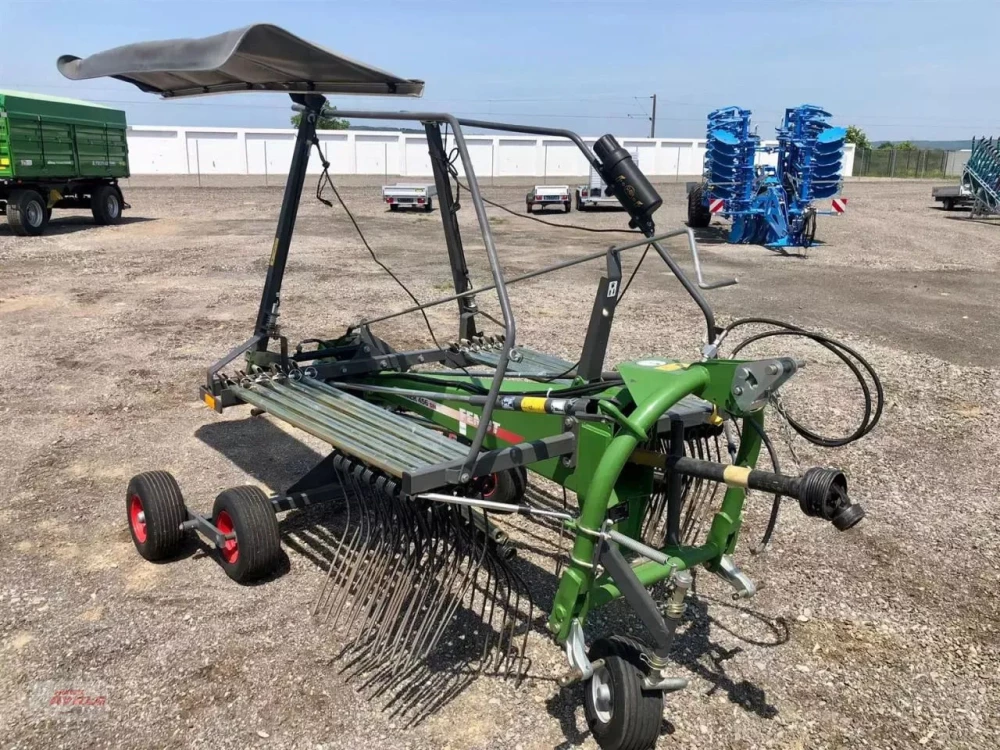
column 490, row 599
column 458, row 592
column 451, row 567
column 507, row 611
column 397, row 580
column 394, row 587
column 694, row 497
column 359, row 550
column 423, row 587
column 520, row 587
column 352, row 561
column 365, row 596
column 427, row 587
column 408, row 588
column 345, row 548
column 338, row 550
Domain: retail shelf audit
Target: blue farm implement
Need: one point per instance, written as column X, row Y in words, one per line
column 981, row 177
column 769, row 205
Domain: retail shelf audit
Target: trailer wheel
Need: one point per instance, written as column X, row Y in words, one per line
column 949, row 204
column 393, row 207
column 255, row 551
column 429, row 205
column 155, row 511
column 106, row 205
column 527, row 207
column 620, row 713
column 26, row 213
column 699, row 216
column 566, row 207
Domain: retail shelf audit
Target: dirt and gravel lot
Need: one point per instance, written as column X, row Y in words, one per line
column 883, row 637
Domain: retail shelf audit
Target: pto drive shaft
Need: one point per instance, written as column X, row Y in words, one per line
column 822, row 493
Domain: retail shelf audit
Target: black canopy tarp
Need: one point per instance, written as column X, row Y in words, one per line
column 261, row 57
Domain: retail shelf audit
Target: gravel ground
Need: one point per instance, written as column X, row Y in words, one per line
column 883, row 637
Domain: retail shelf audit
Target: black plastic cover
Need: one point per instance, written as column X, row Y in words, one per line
column 626, row 181
column 261, row 57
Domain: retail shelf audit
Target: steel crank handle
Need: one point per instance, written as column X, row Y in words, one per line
column 702, row 284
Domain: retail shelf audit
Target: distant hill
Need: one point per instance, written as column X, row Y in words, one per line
column 942, row 145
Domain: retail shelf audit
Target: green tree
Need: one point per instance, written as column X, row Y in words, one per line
column 325, row 123
column 885, row 145
column 905, row 146
column 858, row 137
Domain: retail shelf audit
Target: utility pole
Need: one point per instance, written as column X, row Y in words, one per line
column 652, row 119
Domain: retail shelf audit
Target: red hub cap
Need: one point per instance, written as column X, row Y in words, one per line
column 489, row 486
column 230, row 549
column 137, row 518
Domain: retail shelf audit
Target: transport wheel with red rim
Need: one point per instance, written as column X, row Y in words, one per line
column 254, row 552
column 155, row 510
column 230, row 549
column 506, row 486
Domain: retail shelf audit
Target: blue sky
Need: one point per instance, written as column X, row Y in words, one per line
column 898, row 68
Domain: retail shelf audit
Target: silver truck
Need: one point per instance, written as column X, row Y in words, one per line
column 409, row 196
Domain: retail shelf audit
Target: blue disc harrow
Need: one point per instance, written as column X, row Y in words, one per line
column 981, row 177
column 769, row 205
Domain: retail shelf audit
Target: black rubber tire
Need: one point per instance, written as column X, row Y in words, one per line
column 567, row 207
column 257, row 536
column 636, row 714
column 699, row 216
column 527, row 208
column 163, row 510
column 949, row 204
column 509, row 486
column 429, row 206
column 21, row 206
column 106, row 205
column 393, row 207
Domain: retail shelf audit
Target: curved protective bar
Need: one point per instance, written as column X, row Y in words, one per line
column 510, row 330
column 498, row 280
column 532, row 130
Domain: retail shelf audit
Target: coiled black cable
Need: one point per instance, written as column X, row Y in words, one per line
column 858, row 365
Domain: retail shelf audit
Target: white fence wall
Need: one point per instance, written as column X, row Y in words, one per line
column 166, row 150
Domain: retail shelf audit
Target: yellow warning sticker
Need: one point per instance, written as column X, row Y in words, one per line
column 533, row 404
column 209, row 400
column 673, row 367
column 736, row 476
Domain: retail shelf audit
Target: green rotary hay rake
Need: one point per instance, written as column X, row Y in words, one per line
column 432, row 448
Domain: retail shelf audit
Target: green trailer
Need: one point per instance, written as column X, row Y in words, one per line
column 59, row 153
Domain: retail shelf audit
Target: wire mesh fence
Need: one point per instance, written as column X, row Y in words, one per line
column 913, row 163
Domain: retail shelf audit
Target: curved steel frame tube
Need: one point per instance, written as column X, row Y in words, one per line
column 499, row 284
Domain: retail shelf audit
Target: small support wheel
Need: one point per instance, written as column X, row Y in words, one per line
column 527, row 208
column 429, row 206
column 567, row 207
column 506, row 486
column 155, row 511
column 255, row 549
column 620, row 713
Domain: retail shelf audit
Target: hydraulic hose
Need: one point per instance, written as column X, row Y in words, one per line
column 858, row 365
